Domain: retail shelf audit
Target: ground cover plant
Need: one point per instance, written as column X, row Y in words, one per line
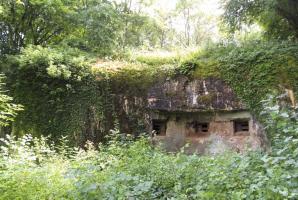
column 34, row 168
column 77, row 76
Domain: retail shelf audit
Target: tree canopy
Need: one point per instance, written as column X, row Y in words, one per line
column 24, row 22
column 277, row 17
column 95, row 26
column 76, row 78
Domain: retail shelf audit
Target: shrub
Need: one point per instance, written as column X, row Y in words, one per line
column 252, row 69
column 55, row 85
column 127, row 169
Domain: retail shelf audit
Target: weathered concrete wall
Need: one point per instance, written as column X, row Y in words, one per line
column 182, row 102
column 221, row 135
column 184, row 94
column 185, row 104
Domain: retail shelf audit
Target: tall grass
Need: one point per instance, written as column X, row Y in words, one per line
column 31, row 168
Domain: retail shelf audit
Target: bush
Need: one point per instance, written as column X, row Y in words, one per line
column 56, row 88
column 126, row 169
column 252, row 69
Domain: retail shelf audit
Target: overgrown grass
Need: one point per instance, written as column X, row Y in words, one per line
column 30, row 168
column 159, row 58
column 135, row 171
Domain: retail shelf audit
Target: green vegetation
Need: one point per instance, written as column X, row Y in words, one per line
column 102, row 27
column 8, row 109
column 59, row 85
column 52, row 89
column 76, row 71
column 33, row 22
column 158, row 60
column 252, row 69
column 59, row 90
column 278, row 18
column 134, row 169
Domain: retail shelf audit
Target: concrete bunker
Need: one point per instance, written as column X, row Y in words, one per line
column 205, row 114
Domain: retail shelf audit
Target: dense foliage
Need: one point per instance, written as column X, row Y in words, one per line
column 104, row 27
column 31, row 169
column 252, row 68
column 55, row 88
column 56, row 57
column 65, row 93
column 258, row 68
column 277, row 17
column 33, row 22
column 8, row 110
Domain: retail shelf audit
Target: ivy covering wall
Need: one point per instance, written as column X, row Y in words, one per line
column 55, row 87
column 252, row 69
column 65, row 92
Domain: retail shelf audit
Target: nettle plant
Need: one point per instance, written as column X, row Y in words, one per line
column 281, row 122
column 8, row 110
column 282, row 128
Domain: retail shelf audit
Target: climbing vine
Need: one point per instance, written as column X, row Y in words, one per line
column 65, row 92
column 56, row 88
column 252, row 69
column 255, row 69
